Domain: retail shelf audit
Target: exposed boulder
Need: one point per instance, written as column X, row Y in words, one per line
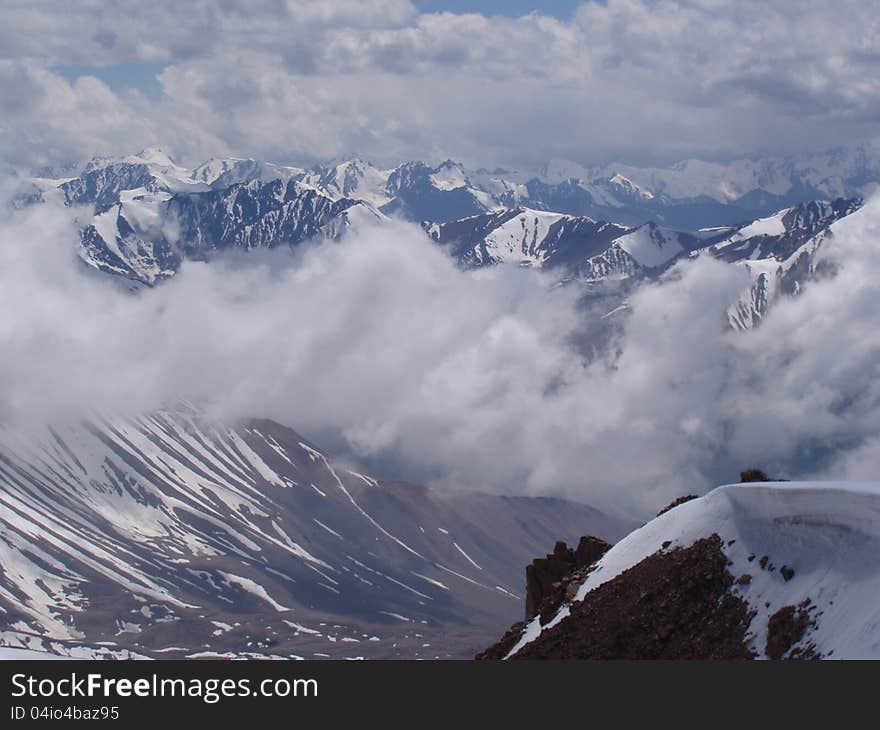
column 675, row 503
column 786, row 629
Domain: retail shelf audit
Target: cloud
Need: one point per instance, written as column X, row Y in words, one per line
column 631, row 79
column 57, row 32
column 463, row 379
column 53, row 121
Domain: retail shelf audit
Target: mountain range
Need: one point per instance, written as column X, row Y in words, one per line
column 689, row 194
column 143, row 215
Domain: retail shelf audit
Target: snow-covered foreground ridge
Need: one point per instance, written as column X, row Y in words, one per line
column 822, row 546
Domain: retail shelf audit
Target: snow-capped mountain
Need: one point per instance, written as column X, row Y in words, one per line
column 173, row 535
column 689, row 195
column 576, row 247
column 780, row 254
column 757, row 183
column 223, row 172
column 104, row 182
column 523, row 236
column 351, row 179
column 643, row 251
column 145, row 235
column 778, row 251
column 420, row 192
column 149, row 214
column 763, row 570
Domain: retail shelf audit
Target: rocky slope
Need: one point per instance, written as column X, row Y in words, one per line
column 777, row 570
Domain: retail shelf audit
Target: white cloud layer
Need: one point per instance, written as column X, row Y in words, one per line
column 638, row 80
column 469, row 379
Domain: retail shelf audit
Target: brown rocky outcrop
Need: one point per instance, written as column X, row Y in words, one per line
column 786, row 629
column 676, row 502
column 674, row 604
column 548, row 578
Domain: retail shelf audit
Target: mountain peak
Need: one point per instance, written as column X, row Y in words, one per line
column 155, row 156
column 630, row 187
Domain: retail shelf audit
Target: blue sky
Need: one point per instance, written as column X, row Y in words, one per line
column 140, row 75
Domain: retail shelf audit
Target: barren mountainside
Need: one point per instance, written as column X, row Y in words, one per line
column 174, row 535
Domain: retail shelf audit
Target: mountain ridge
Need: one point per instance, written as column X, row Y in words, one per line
column 149, row 215
column 743, row 572
column 176, row 535
column 730, row 192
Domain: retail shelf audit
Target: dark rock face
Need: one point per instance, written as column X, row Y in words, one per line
column 550, row 581
column 753, row 475
column 547, row 578
column 589, row 550
column 787, row 628
column 417, row 198
column 679, row 603
column 253, row 215
column 247, row 215
column 500, row 649
column 672, row 605
column 675, row 604
column 101, row 187
column 675, row 503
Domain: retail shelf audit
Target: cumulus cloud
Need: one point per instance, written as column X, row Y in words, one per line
column 53, row 120
column 463, row 379
column 639, row 80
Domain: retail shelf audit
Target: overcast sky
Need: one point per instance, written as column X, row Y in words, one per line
column 302, row 81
